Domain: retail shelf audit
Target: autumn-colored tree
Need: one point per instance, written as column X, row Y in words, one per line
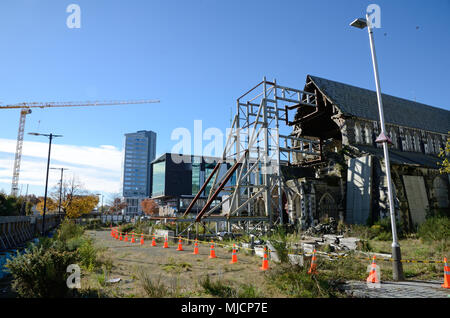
column 52, row 206
column 445, row 164
column 117, row 205
column 75, row 200
column 74, row 207
column 149, row 207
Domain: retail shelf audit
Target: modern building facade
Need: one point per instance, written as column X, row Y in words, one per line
column 178, row 178
column 140, row 151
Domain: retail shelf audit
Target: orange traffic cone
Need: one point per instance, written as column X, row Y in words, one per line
column 180, row 246
column 120, row 237
column 373, row 277
column 446, row 274
column 195, row 248
column 233, row 255
column 126, row 237
column 132, row 238
column 166, row 244
column 313, row 267
column 212, row 253
column 142, row 238
column 265, row 263
column 153, row 241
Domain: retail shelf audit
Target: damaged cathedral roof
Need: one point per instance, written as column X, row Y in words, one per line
column 362, row 103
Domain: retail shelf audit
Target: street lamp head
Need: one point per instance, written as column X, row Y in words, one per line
column 46, row 135
column 359, row 23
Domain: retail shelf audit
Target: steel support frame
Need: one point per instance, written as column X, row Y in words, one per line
column 254, row 141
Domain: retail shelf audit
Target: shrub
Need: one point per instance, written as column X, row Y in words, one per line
column 142, row 226
column 126, row 228
column 68, row 229
column 88, row 255
column 278, row 239
column 435, row 229
column 384, row 236
column 74, row 243
column 94, row 224
column 41, row 272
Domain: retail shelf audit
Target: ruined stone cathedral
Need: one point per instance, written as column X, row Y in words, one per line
column 347, row 181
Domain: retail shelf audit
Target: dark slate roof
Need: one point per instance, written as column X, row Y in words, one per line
column 403, row 157
column 360, row 102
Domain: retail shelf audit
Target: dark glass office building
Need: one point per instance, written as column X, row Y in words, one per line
column 178, row 178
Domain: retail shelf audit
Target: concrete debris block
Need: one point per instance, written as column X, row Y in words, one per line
column 295, row 259
column 349, row 242
column 273, row 252
column 308, row 247
column 113, row 280
column 259, row 251
column 381, row 255
column 224, row 235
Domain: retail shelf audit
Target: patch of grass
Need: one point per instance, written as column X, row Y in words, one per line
column 364, row 245
column 68, row 230
column 174, row 266
column 248, row 291
column 435, row 229
column 294, row 281
column 217, row 288
column 154, row 288
column 343, row 269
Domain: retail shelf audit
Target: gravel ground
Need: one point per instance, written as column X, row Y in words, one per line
column 128, row 257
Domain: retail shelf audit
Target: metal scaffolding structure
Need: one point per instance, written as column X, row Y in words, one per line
column 255, row 150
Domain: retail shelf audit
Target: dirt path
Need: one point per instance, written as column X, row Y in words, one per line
column 179, row 270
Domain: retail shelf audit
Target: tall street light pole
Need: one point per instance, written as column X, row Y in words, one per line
column 397, row 270
column 102, row 201
column 60, row 189
column 50, row 137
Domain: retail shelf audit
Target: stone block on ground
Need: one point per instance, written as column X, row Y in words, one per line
column 259, row 251
column 273, row 253
column 308, row 247
column 295, row 259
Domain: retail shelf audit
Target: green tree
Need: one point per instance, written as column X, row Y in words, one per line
column 445, row 164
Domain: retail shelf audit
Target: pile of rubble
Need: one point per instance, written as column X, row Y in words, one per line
column 323, row 228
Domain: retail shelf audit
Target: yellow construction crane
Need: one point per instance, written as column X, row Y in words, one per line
column 26, row 109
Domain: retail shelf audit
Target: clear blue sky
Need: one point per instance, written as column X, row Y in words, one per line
column 198, row 56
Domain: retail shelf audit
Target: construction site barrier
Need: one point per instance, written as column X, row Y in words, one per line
column 318, row 253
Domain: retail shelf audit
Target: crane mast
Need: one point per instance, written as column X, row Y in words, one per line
column 25, row 110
